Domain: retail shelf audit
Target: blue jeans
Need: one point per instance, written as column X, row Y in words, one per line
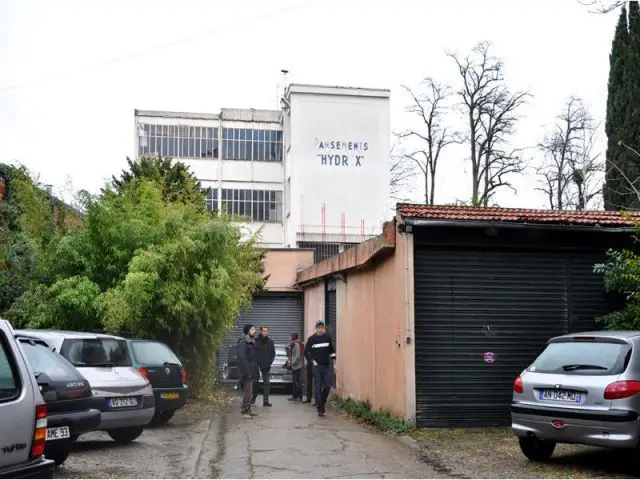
column 322, row 380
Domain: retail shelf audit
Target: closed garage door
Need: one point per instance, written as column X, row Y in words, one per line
column 481, row 316
column 282, row 313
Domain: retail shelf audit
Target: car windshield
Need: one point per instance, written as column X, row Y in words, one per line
column 9, row 386
column 583, row 358
column 99, row 352
column 43, row 359
column 153, row 353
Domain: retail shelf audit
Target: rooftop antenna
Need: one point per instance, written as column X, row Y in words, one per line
column 282, row 103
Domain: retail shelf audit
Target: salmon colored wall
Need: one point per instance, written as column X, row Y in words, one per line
column 313, row 307
column 283, row 266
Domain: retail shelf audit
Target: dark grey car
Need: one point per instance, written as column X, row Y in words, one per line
column 582, row 389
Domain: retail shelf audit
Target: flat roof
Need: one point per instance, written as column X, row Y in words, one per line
column 337, row 90
column 231, row 114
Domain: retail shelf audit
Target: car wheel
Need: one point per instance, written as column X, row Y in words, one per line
column 535, row 449
column 160, row 418
column 58, row 451
column 74, row 438
column 125, row 435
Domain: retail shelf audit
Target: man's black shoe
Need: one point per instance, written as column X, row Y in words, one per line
column 307, row 401
column 320, row 413
column 267, row 404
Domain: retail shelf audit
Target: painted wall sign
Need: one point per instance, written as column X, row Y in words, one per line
column 488, row 357
column 340, row 153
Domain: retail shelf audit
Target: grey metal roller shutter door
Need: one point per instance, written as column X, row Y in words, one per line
column 283, row 313
column 468, row 302
column 332, row 316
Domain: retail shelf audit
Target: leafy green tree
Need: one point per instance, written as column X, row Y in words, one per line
column 621, row 275
column 142, row 264
column 176, row 179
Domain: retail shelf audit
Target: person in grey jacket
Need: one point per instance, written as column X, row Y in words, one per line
column 297, row 364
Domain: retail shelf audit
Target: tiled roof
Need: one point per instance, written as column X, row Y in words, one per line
column 513, row 215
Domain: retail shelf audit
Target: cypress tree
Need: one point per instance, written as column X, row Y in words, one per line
column 631, row 134
column 615, row 190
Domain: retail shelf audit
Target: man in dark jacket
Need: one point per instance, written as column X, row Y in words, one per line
column 247, row 368
column 320, row 351
column 266, row 356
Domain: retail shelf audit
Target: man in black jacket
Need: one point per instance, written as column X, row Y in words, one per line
column 320, row 351
column 247, row 368
column 266, row 356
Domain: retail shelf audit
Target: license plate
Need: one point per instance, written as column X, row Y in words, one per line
column 58, row 433
column 170, row 395
column 123, row 402
column 561, row 395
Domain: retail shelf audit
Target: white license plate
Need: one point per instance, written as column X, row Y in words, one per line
column 123, row 402
column 561, row 395
column 58, row 433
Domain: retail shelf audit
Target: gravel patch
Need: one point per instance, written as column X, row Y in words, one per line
column 171, row 451
column 495, row 453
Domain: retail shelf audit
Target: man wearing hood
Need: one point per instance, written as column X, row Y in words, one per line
column 266, row 355
column 247, row 368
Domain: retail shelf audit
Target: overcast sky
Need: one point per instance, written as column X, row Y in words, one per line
column 72, row 72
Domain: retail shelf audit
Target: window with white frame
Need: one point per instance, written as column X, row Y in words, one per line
column 252, row 144
column 255, row 205
column 212, row 199
column 178, row 141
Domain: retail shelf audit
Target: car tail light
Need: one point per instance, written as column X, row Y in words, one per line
column 184, row 376
column 618, row 390
column 145, row 373
column 40, row 432
column 518, row 386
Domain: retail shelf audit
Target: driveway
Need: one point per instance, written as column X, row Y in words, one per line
column 285, row 441
column 289, row 440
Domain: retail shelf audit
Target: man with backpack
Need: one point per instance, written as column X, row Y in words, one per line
column 296, row 362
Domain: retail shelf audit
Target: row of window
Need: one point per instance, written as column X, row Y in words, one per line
column 179, row 141
column 257, row 205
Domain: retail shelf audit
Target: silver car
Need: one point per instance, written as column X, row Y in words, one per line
column 120, row 392
column 582, row 389
column 23, row 414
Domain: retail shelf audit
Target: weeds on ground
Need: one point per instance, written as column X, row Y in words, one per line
column 361, row 410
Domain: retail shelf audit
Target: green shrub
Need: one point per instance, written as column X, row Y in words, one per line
column 361, row 410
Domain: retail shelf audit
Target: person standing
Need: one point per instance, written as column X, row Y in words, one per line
column 266, row 356
column 320, row 350
column 309, row 376
column 247, row 368
column 297, row 364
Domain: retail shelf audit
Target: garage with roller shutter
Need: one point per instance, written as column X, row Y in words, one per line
column 438, row 315
column 487, row 297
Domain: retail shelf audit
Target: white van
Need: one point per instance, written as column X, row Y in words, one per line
column 120, row 392
column 23, row 414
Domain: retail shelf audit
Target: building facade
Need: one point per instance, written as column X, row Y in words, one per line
column 313, row 175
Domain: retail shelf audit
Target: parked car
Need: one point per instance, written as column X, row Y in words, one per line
column 230, row 363
column 157, row 362
column 582, row 389
column 67, row 394
column 23, row 414
column 123, row 396
column 280, row 376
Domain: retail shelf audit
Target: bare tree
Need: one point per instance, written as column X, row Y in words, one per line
column 569, row 166
column 401, row 173
column 426, row 143
column 600, row 6
column 492, row 113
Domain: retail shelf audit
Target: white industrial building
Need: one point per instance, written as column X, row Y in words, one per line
column 312, row 175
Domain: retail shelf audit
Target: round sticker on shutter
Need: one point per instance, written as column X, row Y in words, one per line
column 488, row 357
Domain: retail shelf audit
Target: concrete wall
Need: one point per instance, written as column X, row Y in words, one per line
column 282, row 266
column 375, row 362
column 313, row 307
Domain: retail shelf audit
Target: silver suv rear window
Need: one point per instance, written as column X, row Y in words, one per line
column 595, row 357
column 9, row 378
